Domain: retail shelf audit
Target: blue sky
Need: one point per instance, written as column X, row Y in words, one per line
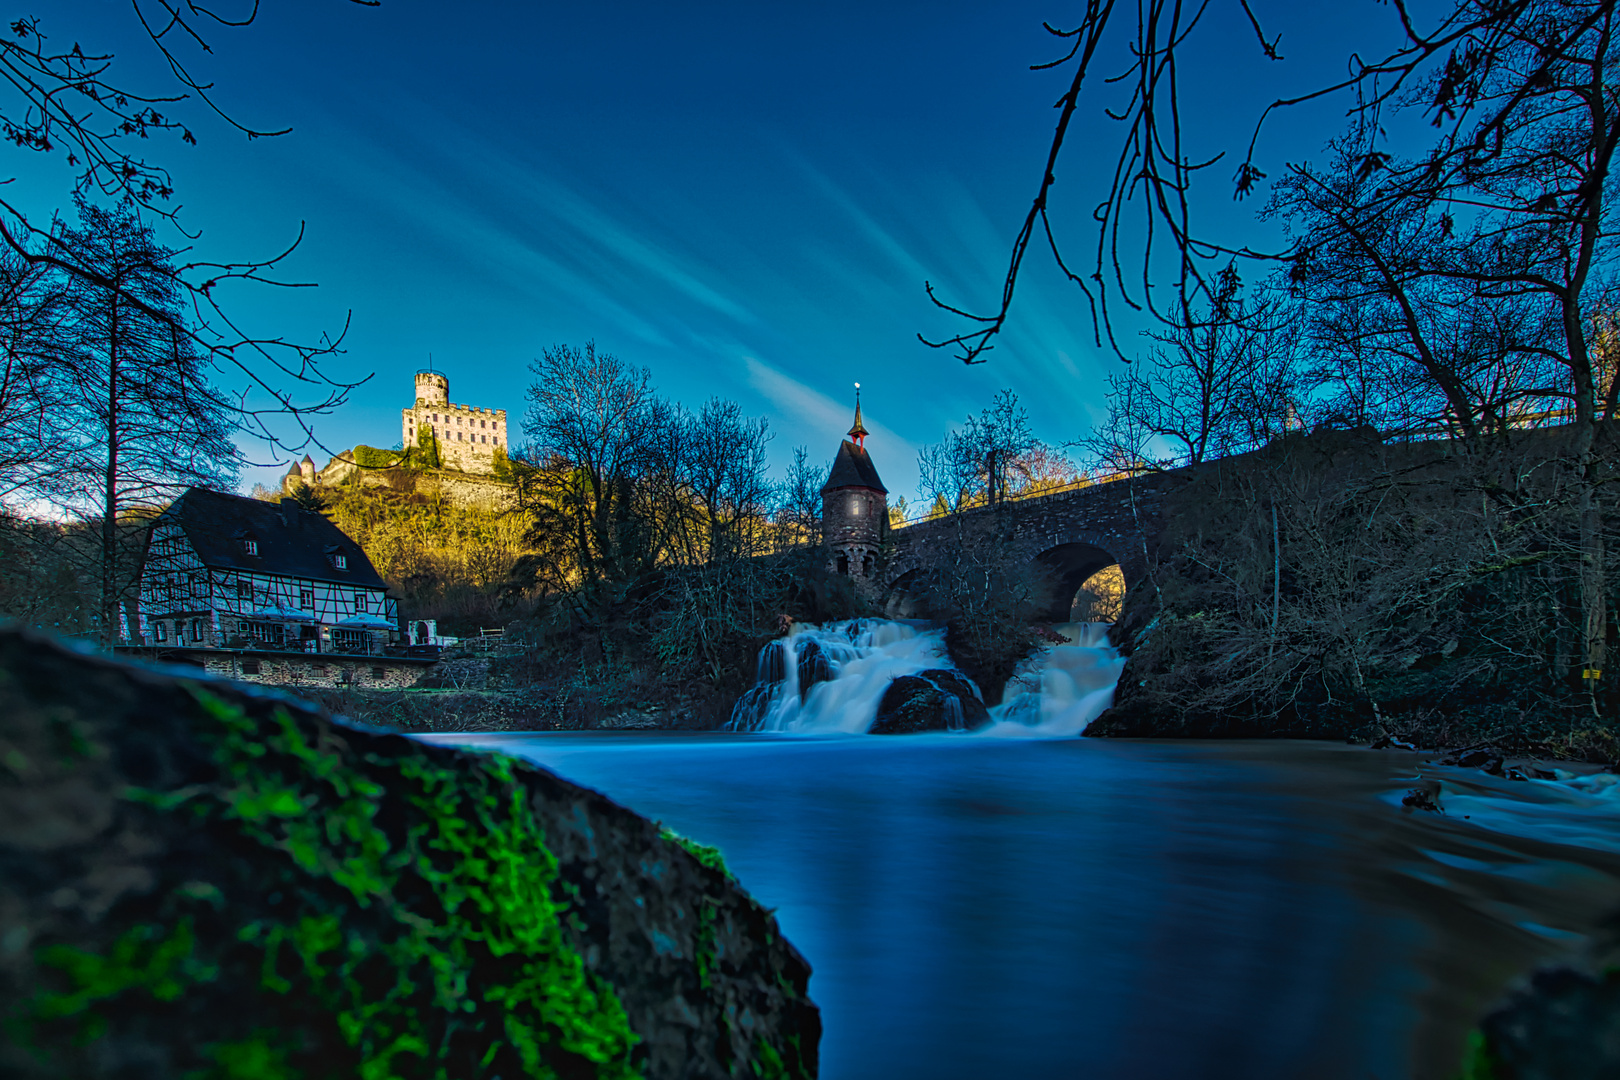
column 745, row 198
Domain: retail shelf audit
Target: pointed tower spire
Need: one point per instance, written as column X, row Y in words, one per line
column 858, row 432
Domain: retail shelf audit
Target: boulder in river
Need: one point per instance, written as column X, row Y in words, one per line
column 933, row 700
column 197, row 880
column 815, row 666
column 1562, row 1023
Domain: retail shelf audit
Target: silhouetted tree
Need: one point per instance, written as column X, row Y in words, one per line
column 145, row 416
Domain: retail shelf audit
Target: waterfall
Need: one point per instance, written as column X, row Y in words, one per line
column 830, row 679
column 1062, row 688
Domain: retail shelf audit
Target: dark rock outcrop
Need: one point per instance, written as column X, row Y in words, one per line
column 1563, row 1023
column 196, row 880
column 814, row 666
column 933, row 700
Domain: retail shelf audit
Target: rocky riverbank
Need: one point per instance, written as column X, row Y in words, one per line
column 200, row 881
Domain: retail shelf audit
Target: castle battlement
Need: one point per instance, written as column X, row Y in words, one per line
column 468, row 436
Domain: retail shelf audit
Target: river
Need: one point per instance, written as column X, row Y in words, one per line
column 1062, row 907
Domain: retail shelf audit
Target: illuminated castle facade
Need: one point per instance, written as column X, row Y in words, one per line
column 467, row 437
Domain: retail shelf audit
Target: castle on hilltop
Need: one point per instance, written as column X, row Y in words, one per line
column 467, row 437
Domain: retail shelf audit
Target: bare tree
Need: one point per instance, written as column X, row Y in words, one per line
column 976, row 465
column 1225, row 381
column 140, row 403
column 798, row 499
column 724, row 459
column 600, row 432
column 35, row 450
column 73, row 102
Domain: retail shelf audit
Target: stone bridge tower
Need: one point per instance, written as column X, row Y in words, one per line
column 854, row 506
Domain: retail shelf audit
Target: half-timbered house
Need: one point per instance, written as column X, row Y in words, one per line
column 266, row 591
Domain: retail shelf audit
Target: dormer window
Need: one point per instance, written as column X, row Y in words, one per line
column 250, row 546
column 340, row 560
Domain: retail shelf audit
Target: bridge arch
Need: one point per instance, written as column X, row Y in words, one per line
column 1067, row 567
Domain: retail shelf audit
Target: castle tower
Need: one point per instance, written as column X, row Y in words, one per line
column 470, row 439
column 432, row 388
column 854, row 505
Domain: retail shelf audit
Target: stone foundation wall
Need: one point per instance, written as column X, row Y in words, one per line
column 371, row 673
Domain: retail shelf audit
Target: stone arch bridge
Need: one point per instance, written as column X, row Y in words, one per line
column 1066, row 536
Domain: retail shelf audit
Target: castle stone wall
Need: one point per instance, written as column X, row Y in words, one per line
column 468, row 437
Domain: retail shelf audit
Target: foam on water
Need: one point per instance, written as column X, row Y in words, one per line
column 830, row 679
column 1582, row 811
column 1061, row 689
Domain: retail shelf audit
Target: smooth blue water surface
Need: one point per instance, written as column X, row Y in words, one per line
column 1107, row 909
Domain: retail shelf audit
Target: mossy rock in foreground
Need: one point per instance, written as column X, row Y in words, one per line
column 201, row 882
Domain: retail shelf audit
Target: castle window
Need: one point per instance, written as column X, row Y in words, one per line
column 843, row 563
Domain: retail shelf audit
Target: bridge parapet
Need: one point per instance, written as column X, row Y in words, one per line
column 1067, row 534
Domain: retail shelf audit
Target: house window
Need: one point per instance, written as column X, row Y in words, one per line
column 360, row 603
column 158, row 631
column 244, row 589
column 250, row 667
column 351, row 641
column 306, row 599
column 196, row 630
column 379, row 673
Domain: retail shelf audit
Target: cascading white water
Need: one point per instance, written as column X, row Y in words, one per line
column 830, row 679
column 1061, row 689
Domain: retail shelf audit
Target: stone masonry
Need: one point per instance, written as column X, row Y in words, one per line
column 468, row 437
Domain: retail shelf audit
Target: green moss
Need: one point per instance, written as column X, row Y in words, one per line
column 1478, row 1062
column 430, row 947
column 146, row 959
column 370, row 457
column 253, row 1058
column 703, row 853
column 767, row 1062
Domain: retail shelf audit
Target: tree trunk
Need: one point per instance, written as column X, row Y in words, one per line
column 109, row 506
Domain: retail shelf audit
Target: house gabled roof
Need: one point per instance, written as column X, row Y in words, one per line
column 853, row 468
column 291, row 541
